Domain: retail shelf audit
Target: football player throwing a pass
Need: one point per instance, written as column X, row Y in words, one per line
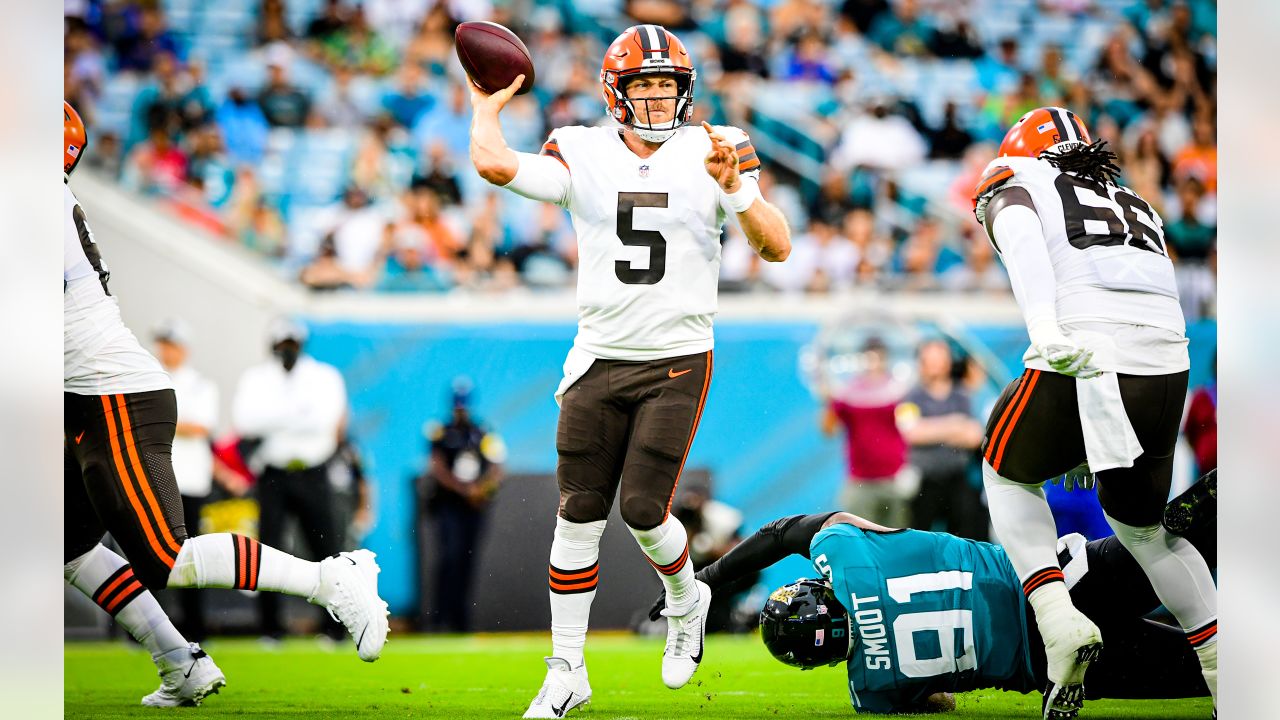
column 1105, row 383
column 120, row 415
column 648, row 195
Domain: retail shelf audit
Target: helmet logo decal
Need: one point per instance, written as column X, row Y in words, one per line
column 610, row 78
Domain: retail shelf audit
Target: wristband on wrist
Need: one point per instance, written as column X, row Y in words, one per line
column 746, row 195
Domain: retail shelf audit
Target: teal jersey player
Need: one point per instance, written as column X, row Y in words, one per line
column 933, row 614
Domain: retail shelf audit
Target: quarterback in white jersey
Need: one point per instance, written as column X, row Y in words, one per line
column 648, row 195
column 119, row 419
column 1101, row 399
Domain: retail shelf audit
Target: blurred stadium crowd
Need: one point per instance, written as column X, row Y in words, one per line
column 331, row 135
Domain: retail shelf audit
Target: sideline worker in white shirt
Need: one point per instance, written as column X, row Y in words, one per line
column 296, row 407
column 192, row 452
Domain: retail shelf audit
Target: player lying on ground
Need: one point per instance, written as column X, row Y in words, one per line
column 917, row 616
column 648, row 197
column 119, row 419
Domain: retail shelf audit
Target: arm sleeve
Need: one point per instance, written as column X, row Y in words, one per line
column 1020, row 237
column 542, row 177
column 783, row 537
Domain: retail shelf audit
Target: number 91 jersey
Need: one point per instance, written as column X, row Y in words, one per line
column 648, row 239
column 1107, row 245
column 930, row 613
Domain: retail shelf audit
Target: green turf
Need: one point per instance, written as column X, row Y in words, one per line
column 496, row 676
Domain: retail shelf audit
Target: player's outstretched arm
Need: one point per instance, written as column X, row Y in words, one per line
column 764, row 225
column 495, row 162
column 775, row 541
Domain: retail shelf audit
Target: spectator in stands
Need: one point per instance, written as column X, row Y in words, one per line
column 283, row 103
column 1146, row 169
column 357, row 44
column 409, row 98
column 953, row 36
column 464, row 472
column 875, row 251
column 156, row 166
column 192, row 449
column 949, row 140
column 743, row 51
column 1201, row 426
column 1199, row 159
column 244, row 126
column 902, row 32
column 338, row 103
column 252, row 219
column 937, row 421
column 107, row 156
column 923, row 256
column 137, row 50
column 449, row 122
column 358, row 230
column 273, row 25
column 1054, row 80
column 85, row 68
column 441, row 177
column 331, row 19
column 207, row 165
column 863, row 13
column 876, row 487
column 297, row 407
column 373, row 169
column 980, row 271
column 423, row 247
column 431, row 48
column 808, row 61
column 999, row 72
column 880, row 140
column 159, row 102
column 1191, row 238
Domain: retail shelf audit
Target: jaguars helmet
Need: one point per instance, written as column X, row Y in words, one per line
column 804, row 626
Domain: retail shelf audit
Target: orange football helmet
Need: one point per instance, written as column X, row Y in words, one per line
column 640, row 50
column 1046, row 129
column 74, row 138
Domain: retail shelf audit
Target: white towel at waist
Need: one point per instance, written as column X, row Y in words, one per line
column 576, row 364
column 1109, row 439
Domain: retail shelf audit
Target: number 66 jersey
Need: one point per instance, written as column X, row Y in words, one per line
column 931, row 613
column 648, row 235
column 1110, row 265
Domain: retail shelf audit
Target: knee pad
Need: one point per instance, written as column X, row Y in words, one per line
column 641, row 513
column 583, row 507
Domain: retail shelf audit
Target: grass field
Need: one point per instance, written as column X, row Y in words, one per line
column 496, row 676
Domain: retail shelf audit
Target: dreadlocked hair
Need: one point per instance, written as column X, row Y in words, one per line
column 1091, row 162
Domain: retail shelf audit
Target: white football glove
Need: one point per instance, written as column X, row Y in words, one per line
column 1079, row 476
column 1062, row 354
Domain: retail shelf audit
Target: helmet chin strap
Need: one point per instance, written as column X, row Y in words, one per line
column 649, row 133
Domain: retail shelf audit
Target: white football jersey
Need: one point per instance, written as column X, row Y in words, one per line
column 100, row 356
column 1110, row 265
column 648, row 239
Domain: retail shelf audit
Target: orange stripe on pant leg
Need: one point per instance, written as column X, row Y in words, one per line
column 124, row 480
column 130, row 445
column 1004, row 416
column 697, row 418
column 1013, row 422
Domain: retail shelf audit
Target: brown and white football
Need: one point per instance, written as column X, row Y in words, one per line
column 493, row 56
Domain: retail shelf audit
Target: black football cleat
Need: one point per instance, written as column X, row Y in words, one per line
column 1194, row 506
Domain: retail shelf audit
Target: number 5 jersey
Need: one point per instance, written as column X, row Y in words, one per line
column 1115, row 288
column 648, row 235
column 930, row 613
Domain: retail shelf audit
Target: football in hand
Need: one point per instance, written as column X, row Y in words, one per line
column 493, row 56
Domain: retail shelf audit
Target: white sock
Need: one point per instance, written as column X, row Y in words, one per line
column 227, row 560
column 1024, row 524
column 1182, row 581
column 1208, row 653
column 108, row 580
column 572, row 579
column 667, row 547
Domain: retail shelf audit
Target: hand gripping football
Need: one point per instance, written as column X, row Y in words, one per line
column 493, row 56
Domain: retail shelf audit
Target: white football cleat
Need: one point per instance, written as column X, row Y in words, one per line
column 349, row 591
column 1071, row 642
column 685, row 635
column 564, row 689
column 187, row 677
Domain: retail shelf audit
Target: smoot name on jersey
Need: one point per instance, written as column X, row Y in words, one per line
column 875, row 639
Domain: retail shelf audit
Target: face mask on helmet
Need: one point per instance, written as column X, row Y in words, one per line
column 628, row 110
column 804, row 626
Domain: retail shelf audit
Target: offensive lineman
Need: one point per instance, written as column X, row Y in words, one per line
column 1105, row 383
column 648, row 197
column 119, row 420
